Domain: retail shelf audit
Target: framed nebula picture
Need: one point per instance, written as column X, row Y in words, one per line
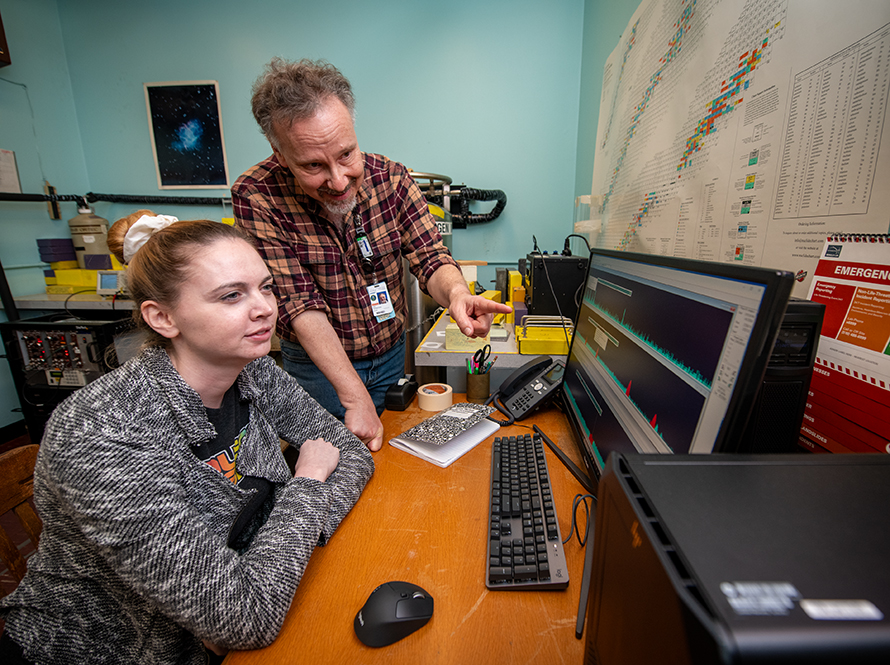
column 186, row 134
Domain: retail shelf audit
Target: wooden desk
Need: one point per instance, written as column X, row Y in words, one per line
column 418, row 523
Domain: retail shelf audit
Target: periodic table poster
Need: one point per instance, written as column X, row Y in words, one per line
column 744, row 131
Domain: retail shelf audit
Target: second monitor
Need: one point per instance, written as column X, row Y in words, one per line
column 668, row 353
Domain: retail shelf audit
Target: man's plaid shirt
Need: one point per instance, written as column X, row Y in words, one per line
column 316, row 266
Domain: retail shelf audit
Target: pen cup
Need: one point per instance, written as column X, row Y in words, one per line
column 477, row 388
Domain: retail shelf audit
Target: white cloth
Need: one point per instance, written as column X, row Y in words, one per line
column 142, row 230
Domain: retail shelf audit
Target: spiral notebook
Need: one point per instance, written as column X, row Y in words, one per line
column 448, row 435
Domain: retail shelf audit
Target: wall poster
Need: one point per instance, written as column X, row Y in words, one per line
column 186, row 135
column 744, row 131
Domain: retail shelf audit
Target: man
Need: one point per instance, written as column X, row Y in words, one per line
column 333, row 224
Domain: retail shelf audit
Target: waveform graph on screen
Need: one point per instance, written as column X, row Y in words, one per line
column 656, row 353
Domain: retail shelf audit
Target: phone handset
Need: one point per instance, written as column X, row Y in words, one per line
column 527, row 388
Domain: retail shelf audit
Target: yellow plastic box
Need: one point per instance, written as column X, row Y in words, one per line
column 76, row 277
column 68, row 288
column 492, row 294
column 542, row 341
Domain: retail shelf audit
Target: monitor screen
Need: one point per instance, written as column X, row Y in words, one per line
column 668, row 353
column 109, row 282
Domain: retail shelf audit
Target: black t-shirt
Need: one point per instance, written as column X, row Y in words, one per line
column 230, row 421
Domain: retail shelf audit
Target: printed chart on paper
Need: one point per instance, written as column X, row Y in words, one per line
column 744, row 131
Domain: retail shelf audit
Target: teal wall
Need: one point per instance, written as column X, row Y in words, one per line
column 486, row 93
column 38, row 121
column 500, row 94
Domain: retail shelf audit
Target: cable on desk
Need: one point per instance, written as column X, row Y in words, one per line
column 581, row 499
column 494, row 400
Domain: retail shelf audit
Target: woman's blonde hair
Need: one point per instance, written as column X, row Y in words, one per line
column 158, row 269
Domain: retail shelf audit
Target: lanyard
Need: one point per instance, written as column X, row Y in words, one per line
column 364, row 244
column 378, row 294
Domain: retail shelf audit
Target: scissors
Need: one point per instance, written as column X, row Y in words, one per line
column 480, row 357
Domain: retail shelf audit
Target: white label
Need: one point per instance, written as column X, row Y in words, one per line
column 89, row 240
column 365, row 246
column 601, row 338
column 760, row 598
column 444, row 228
column 463, row 414
column 841, row 610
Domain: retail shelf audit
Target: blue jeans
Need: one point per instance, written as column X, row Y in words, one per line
column 378, row 374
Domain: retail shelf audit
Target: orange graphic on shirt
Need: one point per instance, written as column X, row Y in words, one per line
column 225, row 461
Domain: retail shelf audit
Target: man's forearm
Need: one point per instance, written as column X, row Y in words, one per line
column 445, row 283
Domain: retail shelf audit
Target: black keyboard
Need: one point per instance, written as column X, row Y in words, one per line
column 524, row 544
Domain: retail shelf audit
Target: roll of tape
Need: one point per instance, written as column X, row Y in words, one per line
column 434, row 396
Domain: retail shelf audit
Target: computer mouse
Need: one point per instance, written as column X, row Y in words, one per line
column 393, row 610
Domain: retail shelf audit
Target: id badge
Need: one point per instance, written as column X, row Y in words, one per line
column 381, row 303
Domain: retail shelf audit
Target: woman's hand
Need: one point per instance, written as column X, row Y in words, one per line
column 219, row 651
column 317, row 459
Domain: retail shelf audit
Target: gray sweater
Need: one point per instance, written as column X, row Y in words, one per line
column 133, row 565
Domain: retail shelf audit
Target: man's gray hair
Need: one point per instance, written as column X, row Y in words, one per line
column 290, row 91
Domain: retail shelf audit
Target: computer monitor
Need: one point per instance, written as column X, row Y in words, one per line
column 668, row 354
column 110, row 282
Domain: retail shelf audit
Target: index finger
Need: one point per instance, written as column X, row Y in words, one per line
column 487, row 306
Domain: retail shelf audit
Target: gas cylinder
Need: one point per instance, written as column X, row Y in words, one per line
column 89, row 233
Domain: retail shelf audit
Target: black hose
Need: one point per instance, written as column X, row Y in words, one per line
column 114, row 198
column 10, row 196
column 468, row 193
column 172, row 200
column 461, row 197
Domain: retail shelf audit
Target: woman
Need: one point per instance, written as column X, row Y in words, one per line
column 172, row 527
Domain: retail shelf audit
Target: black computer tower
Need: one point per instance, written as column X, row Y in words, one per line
column 52, row 356
column 740, row 559
column 774, row 424
column 553, row 284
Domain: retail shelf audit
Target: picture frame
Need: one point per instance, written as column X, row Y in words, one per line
column 4, row 47
column 185, row 124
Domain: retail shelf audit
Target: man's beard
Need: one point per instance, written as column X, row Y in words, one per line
column 340, row 208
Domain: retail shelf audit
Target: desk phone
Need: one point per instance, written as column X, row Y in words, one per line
column 531, row 386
